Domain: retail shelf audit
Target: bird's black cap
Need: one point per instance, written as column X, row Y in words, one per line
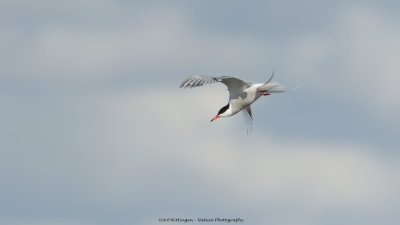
column 223, row 109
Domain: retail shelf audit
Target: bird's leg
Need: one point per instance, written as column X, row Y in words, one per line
column 264, row 92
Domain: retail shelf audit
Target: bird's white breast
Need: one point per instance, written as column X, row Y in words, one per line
column 244, row 98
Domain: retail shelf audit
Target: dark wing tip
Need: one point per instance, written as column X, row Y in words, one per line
column 196, row 81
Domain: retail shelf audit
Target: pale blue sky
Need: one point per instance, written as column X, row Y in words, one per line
column 94, row 129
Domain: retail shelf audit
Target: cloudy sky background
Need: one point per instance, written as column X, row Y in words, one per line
column 94, row 129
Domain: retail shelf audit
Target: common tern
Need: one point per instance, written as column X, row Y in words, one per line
column 241, row 93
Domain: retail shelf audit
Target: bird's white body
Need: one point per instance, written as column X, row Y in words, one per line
column 242, row 98
column 241, row 93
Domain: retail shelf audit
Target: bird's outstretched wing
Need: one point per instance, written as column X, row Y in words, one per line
column 235, row 85
column 197, row 80
column 200, row 80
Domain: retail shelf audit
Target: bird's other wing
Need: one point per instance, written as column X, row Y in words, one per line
column 247, row 110
column 248, row 118
column 199, row 80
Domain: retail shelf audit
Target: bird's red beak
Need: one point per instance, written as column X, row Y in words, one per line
column 216, row 117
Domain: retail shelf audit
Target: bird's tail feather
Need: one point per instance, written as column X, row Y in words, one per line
column 272, row 87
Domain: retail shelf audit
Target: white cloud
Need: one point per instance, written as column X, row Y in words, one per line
column 373, row 48
column 354, row 58
column 118, row 149
column 153, row 37
column 253, row 170
column 319, row 173
column 158, row 144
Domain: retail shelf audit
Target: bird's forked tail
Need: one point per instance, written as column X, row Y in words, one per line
column 272, row 86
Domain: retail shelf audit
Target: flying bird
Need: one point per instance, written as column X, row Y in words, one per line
column 241, row 93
